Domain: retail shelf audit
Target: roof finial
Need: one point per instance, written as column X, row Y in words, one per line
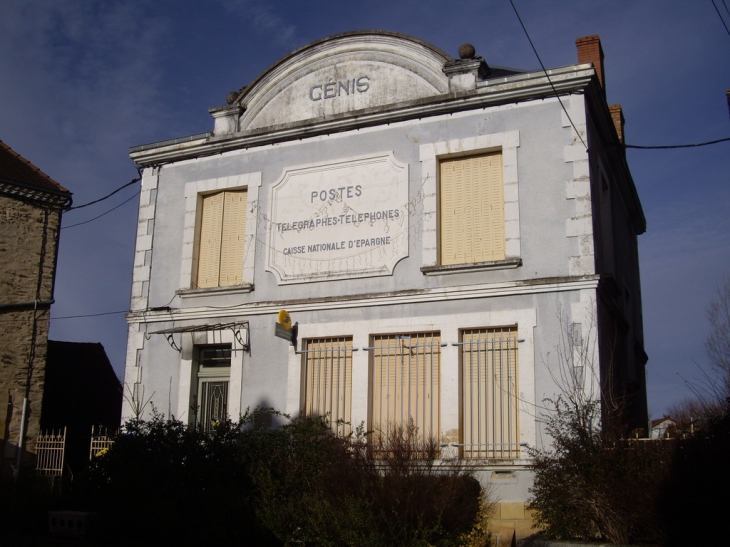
column 467, row 51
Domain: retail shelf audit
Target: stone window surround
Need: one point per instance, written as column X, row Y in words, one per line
column 187, row 385
column 194, row 192
column 430, row 155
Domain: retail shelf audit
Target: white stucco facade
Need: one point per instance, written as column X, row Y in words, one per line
column 338, row 153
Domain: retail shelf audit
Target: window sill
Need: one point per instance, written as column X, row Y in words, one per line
column 215, row 291
column 512, row 262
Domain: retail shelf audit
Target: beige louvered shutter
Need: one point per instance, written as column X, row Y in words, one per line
column 233, row 238
column 210, row 241
column 494, row 214
column 425, row 374
column 328, row 387
column 449, row 213
column 490, row 410
column 406, row 377
column 472, row 210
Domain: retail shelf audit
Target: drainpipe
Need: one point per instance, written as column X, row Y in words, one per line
column 21, row 439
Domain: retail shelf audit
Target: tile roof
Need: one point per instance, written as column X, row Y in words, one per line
column 15, row 168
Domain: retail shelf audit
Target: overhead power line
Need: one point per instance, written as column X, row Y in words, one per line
column 720, row 15
column 104, row 213
column 89, row 315
column 139, row 171
column 694, row 145
column 547, row 75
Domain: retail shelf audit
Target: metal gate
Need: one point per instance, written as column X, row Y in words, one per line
column 50, row 450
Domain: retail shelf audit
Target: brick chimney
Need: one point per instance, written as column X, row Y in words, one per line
column 590, row 51
column 617, row 115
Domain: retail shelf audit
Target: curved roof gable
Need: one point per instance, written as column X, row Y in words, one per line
column 343, row 73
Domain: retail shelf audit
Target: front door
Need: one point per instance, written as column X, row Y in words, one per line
column 214, row 374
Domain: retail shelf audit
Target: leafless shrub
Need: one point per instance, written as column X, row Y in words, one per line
column 592, row 483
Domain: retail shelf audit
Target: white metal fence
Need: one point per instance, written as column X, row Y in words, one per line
column 50, row 449
column 101, row 440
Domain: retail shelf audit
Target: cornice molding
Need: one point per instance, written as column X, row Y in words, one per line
column 417, row 296
column 522, row 87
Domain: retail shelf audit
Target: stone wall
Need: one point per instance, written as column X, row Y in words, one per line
column 28, row 246
column 21, row 241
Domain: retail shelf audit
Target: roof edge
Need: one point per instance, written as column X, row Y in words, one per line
column 516, row 88
column 36, row 192
column 52, row 183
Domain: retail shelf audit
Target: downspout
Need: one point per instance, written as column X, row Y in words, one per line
column 21, row 440
column 31, row 353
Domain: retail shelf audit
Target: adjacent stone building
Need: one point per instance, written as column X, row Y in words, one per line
column 457, row 241
column 30, row 215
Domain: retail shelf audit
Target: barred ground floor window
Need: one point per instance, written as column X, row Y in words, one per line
column 490, row 410
column 405, row 378
column 327, row 389
column 403, row 384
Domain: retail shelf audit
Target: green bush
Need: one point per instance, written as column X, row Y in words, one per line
column 248, row 483
column 593, row 484
column 315, row 488
column 165, row 481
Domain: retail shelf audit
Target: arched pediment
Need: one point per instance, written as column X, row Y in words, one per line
column 343, row 73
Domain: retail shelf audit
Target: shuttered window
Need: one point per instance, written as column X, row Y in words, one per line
column 405, row 373
column 489, row 393
column 472, row 210
column 221, row 242
column 328, row 380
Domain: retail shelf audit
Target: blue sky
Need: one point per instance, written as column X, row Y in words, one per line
column 81, row 82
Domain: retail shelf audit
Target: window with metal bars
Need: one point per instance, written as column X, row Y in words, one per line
column 327, row 373
column 490, row 410
column 405, row 377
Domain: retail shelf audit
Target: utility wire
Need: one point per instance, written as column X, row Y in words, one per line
column 104, row 213
column 720, row 16
column 547, row 75
column 694, row 145
column 89, row 315
column 727, row 10
column 139, row 171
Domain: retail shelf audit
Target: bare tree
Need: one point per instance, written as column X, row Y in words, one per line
column 692, row 413
column 575, row 370
column 717, row 344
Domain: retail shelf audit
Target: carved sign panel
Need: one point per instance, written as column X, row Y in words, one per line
column 321, row 90
column 338, row 220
